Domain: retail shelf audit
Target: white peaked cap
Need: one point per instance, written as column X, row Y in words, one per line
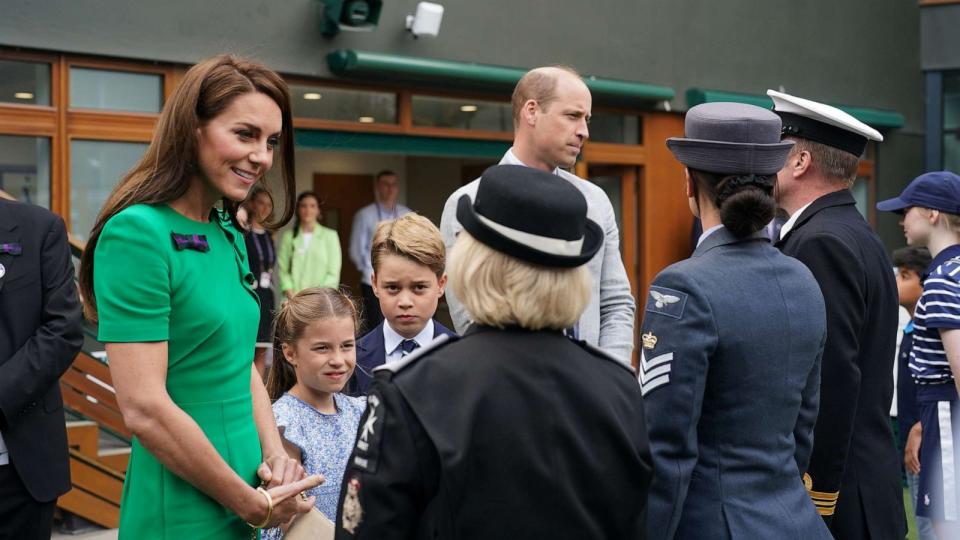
column 827, row 114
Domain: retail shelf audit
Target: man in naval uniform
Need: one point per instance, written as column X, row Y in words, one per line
column 854, row 471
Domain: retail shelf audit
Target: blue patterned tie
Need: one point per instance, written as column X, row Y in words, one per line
column 407, row 346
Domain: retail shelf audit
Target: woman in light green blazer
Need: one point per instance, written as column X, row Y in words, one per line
column 309, row 254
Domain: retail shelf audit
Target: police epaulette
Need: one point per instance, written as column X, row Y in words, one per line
column 437, row 342
column 606, row 356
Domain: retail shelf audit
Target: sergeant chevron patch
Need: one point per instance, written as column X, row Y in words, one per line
column 655, row 372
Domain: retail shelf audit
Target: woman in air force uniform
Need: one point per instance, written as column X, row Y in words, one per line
column 514, row 430
column 730, row 348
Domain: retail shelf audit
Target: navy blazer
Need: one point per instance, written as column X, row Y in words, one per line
column 855, row 461
column 730, row 372
column 371, row 353
column 40, row 335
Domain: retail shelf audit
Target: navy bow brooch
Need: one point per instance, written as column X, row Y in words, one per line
column 196, row 242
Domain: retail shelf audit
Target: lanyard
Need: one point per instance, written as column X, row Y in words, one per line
column 264, row 263
column 380, row 215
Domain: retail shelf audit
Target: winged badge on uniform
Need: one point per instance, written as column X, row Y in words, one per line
column 664, row 299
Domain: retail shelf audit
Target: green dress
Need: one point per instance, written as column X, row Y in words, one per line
column 203, row 305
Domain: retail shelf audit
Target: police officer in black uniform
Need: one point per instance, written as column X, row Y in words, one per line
column 513, row 431
column 854, row 471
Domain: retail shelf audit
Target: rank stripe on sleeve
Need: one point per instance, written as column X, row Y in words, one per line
column 655, row 372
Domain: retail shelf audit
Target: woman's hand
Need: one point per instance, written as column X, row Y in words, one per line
column 911, row 453
column 280, row 469
column 287, row 502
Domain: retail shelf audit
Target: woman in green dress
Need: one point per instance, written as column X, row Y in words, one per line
column 166, row 273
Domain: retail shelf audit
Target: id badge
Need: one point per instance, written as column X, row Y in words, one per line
column 265, row 280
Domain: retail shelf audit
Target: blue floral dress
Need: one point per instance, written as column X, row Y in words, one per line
column 325, row 442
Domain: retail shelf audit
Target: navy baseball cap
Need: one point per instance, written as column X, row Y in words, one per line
column 935, row 190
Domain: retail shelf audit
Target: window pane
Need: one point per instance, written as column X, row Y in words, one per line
column 115, row 90
column 462, row 113
column 611, row 185
column 95, row 167
column 26, row 83
column 25, row 168
column 328, row 103
column 615, row 128
column 861, row 194
column 951, row 121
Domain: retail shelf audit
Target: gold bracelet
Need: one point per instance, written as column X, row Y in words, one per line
column 269, row 509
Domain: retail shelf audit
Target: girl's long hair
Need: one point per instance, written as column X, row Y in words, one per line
column 306, row 307
column 171, row 161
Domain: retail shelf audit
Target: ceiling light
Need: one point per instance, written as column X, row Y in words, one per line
column 311, row 96
column 468, row 108
column 366, row 120
column 23, row 95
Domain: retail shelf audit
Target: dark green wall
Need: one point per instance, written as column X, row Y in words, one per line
column 855, row 52
column 862, row 52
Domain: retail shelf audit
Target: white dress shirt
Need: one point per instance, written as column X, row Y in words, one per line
column 707, row 233
column 792, row 221
column 392, row 340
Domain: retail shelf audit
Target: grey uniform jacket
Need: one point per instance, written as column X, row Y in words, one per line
column 730, row 372
column 607, row 322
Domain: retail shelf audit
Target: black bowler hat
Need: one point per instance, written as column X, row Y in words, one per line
column 532, row 215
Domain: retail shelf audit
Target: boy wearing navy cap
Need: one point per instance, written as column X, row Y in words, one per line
column 930, row 206
column 854, row 472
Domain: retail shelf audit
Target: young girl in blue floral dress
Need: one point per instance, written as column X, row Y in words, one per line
column 314, row 357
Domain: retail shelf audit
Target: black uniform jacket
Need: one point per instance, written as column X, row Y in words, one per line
column 855, row 462
column 40, row 335
column 500, row 434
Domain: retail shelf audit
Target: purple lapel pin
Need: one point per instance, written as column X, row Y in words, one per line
column 196, row 242
column 12, row 248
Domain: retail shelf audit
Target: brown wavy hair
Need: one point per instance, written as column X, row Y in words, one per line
column 171, row 161
column 307, row 306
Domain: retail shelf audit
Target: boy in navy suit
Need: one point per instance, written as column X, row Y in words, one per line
column 408, row 279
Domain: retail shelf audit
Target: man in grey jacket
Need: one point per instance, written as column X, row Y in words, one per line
column 551, row 108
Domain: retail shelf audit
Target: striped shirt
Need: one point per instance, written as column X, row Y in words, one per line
column 938, row 308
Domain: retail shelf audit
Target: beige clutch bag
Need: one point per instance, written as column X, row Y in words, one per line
column 311, row 526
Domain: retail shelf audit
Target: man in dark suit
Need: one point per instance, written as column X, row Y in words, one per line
column 40, row 334
column 854, row 472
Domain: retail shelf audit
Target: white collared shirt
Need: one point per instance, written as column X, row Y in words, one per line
column 707, row 233
column 793, row 220
column 4, row 455
column 511, row 159
column 392, row 340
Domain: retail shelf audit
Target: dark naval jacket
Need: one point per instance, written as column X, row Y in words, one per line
column 731, row 343
column 500, row 434
column 855, row 463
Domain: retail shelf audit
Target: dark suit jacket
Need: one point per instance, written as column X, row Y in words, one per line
column 854, row 451
column 501, row 434
column 371, row 353
column 40, row 335
column 730, row 372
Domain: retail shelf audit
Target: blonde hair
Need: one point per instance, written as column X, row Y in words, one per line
column 307, row 306
column 413, row 237
column 500, row 290
column 540, row 85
